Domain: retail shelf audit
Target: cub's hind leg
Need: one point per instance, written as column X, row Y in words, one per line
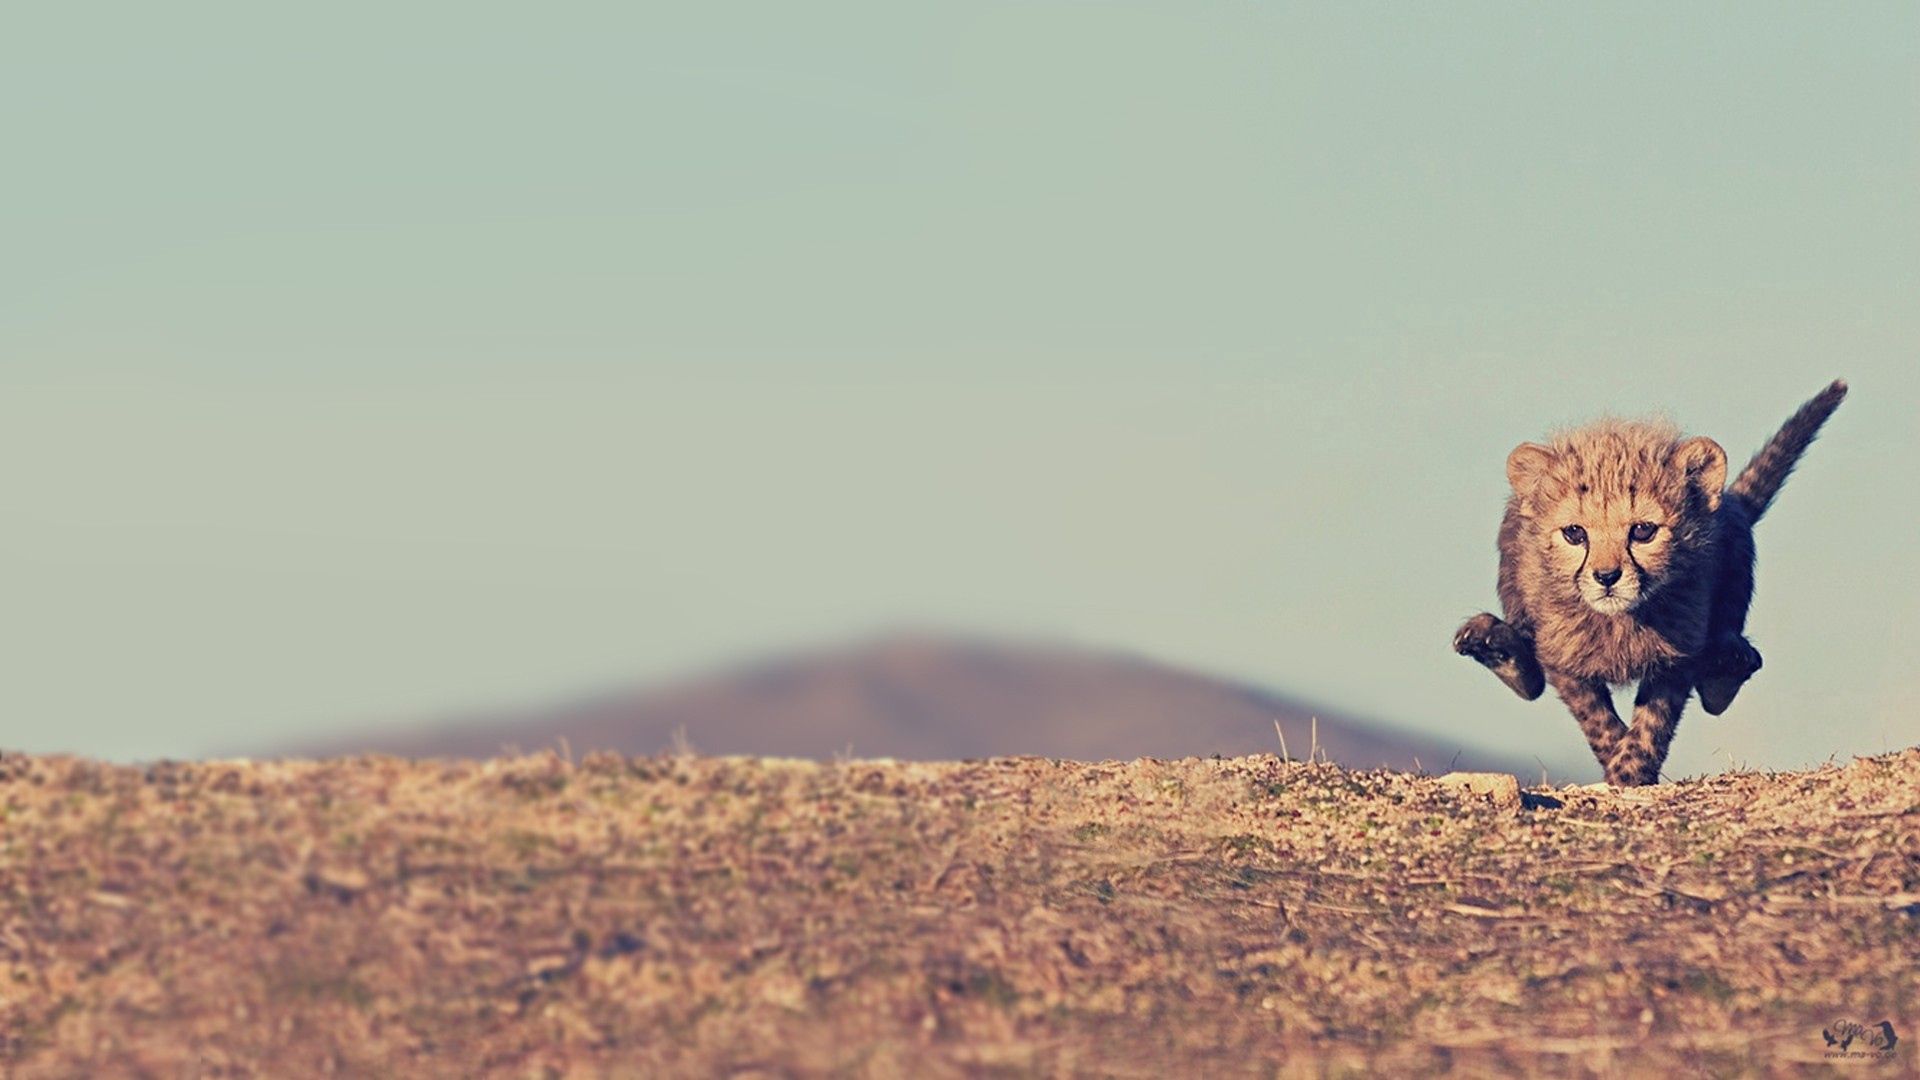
column 1723, row 669
column 1729, row 659
column 1501, row 649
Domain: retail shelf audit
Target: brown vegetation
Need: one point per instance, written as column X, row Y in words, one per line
column 688, row 916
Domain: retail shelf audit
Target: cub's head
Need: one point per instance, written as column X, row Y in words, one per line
column 1616, row 510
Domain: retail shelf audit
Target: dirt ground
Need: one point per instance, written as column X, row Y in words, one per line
column 686, row 916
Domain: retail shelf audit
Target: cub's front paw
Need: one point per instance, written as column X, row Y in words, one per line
column 1724, row 669
column 1503, row 651
column 1632, row 766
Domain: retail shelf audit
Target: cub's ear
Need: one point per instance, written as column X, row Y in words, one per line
column 1526, row 465
column 1705, row 466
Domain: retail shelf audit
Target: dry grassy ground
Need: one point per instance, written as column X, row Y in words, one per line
column 686, row 916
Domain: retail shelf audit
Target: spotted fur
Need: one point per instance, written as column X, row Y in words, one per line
column 1625, row 555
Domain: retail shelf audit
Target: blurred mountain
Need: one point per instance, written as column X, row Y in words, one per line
column 932, row 697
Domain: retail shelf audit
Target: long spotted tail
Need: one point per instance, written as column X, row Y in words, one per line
column 1760, row 481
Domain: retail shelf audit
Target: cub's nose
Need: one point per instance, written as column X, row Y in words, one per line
column 1607, row 577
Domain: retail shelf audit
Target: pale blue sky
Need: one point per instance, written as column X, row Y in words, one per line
column 380, row 362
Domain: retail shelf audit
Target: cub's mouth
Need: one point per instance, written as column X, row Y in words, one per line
column 1610, row 604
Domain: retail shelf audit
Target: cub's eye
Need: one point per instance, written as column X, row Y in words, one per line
column 1574, row 535
column 1642, row 532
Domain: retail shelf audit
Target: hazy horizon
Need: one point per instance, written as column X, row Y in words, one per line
column 357, row 369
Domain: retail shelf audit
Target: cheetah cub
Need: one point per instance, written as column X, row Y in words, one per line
column 1625, row 555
